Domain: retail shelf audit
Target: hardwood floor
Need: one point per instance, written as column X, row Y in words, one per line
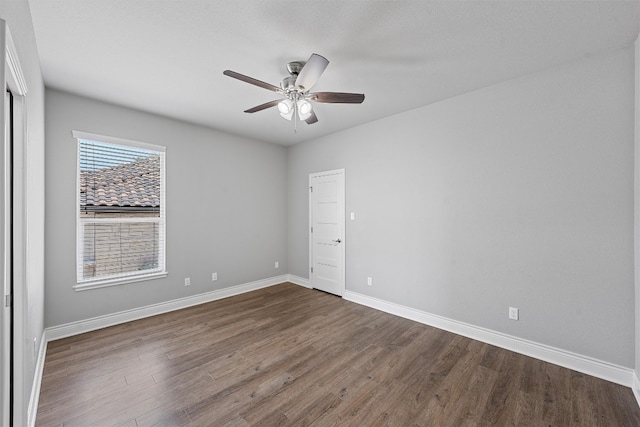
column 290, row 356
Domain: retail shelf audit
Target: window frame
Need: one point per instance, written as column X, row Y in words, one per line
column 94, row 283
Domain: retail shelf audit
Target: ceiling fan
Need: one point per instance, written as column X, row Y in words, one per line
column 295, row 89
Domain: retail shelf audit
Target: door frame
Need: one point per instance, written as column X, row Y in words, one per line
column 341, row 201
column 12, row 79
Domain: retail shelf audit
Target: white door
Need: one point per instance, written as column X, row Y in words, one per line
column 326, row 231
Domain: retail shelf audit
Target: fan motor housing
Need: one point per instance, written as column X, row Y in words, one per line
column 288, row 83
column 294, row 68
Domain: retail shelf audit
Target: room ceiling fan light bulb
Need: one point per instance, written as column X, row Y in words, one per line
column 304, row 109
column 285, row 107
column 304, row 106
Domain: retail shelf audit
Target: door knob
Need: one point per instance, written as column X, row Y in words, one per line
column 337, row 240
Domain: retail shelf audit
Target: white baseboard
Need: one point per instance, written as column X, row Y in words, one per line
column 34, row 398
column 82, row 326
column 297, row 280
column 636, row 387
column 567, row 359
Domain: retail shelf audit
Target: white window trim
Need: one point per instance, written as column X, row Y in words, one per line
column 103, row 283
column 120, row 141
column 83, row 285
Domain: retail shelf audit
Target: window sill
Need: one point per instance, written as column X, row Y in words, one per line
column 118, row 281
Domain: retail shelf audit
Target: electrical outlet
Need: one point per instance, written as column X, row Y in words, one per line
column 277, row 264
column 214, row 277
column 514, row 313
column 369, row 281
column 187, row 281
column 353, row 216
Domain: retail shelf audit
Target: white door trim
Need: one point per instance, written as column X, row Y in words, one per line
column 12, row 78
column 342, row 233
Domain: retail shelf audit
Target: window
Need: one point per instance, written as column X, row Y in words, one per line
column 121, row 211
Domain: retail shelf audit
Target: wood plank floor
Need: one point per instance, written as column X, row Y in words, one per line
column 290, row 356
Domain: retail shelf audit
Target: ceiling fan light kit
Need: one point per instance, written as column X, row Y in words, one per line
column 285, row 106
column 304, row 109
column 295, row 89
column 286, row 109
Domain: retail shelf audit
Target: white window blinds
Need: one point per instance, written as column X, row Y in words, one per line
column 121, row 211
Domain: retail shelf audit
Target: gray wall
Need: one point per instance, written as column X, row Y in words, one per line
column 18, row 17
column 519, row 194
column 226, row 208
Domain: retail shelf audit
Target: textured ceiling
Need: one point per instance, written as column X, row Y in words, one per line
column 167, row 57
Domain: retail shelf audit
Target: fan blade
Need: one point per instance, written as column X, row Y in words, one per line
column 312, row 118
column 251, row 80
column 338, row 97
column 311, row 71
column 263, row 106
